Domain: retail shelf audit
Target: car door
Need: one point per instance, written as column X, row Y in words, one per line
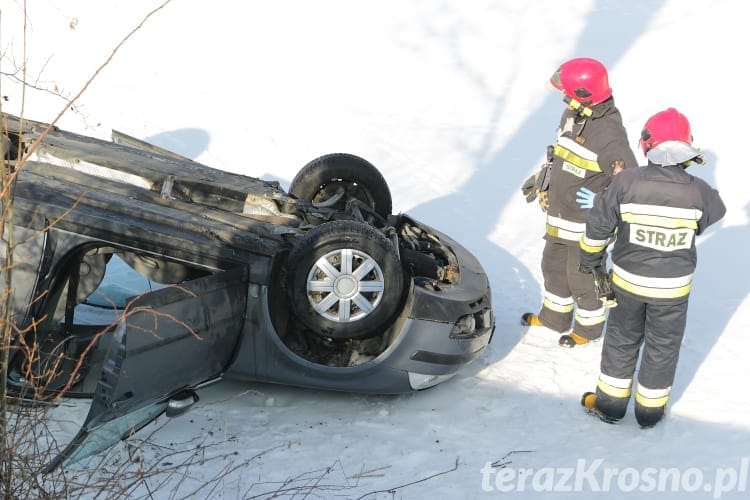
column 164, row 344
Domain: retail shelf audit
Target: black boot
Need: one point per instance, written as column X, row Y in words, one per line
column 648, row 417
column 531, row 319
column 572, row 339
column 588, row 401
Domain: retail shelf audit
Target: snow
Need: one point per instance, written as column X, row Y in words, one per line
column 450, row 101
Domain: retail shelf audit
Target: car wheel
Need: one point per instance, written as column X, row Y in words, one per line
column 344, row 280
column 335, row 179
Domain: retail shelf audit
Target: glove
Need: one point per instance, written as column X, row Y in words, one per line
column 537, row 185
column 585, row 197
column 543, row 201
column 588, row 261
column 529, row 188
column 617, row 166
column 603, row 287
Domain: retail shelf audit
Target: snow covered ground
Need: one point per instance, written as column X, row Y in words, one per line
column 450, row 101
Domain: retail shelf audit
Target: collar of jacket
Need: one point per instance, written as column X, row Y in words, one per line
column 603, row 108
column 674, row 172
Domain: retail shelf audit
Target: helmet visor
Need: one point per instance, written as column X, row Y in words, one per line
column 556, row 81
column 672, row 153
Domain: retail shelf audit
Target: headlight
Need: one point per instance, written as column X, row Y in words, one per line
column 465, row 324
column 472, row 324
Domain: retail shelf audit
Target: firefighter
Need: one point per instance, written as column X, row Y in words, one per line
column 591, row 147
column 656, row 211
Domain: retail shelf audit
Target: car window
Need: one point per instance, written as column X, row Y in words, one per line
column 120, row 283
column 88, row 443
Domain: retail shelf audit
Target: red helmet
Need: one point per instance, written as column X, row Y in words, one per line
column 666, row 138
column 583, row 79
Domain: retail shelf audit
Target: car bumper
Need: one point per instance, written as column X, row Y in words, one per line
column 448, row 328
column 440, row 330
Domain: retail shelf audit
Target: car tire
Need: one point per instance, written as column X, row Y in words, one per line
column 345, row 281
column 322, row 179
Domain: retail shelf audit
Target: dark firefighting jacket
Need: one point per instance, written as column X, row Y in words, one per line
column 584, row 154
column 655, row 212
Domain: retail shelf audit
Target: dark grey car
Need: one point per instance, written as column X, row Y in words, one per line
column 141, row 276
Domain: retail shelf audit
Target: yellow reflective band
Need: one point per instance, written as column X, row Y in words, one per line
column 557, row 307
column 651, row 402
column 653, row 281
column 565, row 229
column 659, row 221
column 611, row 390
column 572, row 145
column 576, row 160
column 564, row 234
column 558, row 304
column 647, row 291
column 660, row 210
column 561, row 308
column 589, row 318
column 591, row 321
column 592, row 246
column 568, row 225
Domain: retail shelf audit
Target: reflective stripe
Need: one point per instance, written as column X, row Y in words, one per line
column 591, row 245
column 658, row 288
column 562, row 233
column 588, row 318
column 565, row 229
column 570, row 151
column 652, row 398
column 557, row 307
column 573, row 146
column 651, row 402
column 569, row 225
column 688, row 214
column 558, row 304
column 615, row 387
column 659, row 221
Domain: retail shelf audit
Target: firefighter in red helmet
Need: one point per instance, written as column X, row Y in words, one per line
column 591, row 147
column 656, row 212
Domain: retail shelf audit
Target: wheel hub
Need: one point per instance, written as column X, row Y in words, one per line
column 346, row 287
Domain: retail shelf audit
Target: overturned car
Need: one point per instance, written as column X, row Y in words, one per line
column 138, row 276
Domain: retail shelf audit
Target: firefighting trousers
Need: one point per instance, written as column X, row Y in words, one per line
column 656, row 327
column 569, row 294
